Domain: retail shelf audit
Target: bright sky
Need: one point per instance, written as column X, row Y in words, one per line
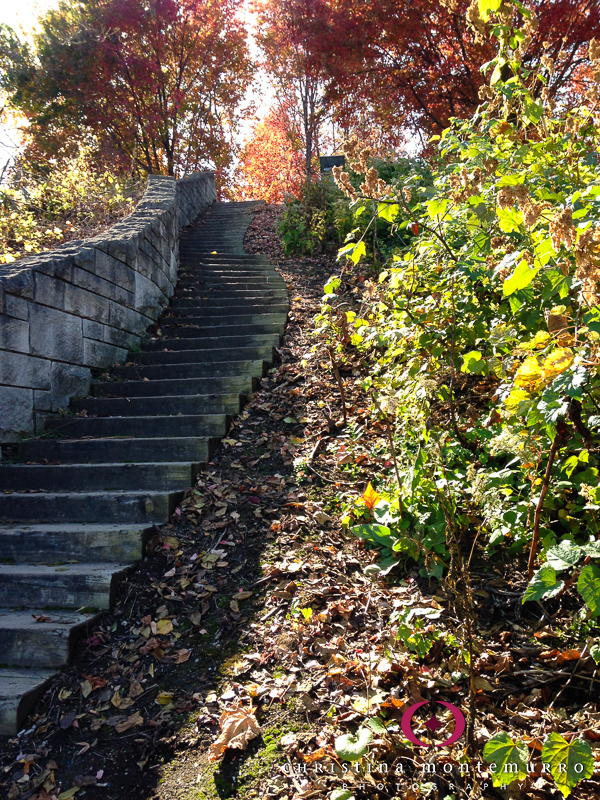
column 24, row 12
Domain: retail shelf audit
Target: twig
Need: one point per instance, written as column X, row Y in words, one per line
column 538, row 510
column 393, row 450
column 338, row 378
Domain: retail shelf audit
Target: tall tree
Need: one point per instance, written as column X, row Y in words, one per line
column 417, row 63
column 289, row 35
column 159, row 82
column 271, row 162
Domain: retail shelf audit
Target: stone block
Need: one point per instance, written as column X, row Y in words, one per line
column 17, row 280
column 14, row 334
column 42, row 401
column 16, row 307
column 100, row 354
column 86, row 304
column 93, row 330
column 16, row 413
column 68, row 380
column 148, row 296
column 114, row 271
column 55, row 334
column 48, row 291
column 127, row 319
column 121, row 338
column 20, row 369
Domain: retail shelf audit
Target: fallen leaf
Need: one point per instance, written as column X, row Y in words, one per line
column 164, row 626
column 164, row 698
column 370, row 498
column 182, row 656
column 86, row 688
column 238, row 727
column 70, row 793
column 130, row 722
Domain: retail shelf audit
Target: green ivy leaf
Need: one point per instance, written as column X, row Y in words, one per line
column 570, row 762
column 350, row 747
column 341, row 794
column 472, row 362
column 377, row 726
column 588, row 585
column 509, row 757
column 388, row 212
column 543, row 584
column 521, row 277
column 563, row 555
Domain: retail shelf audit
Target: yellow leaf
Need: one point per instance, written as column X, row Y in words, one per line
column 164, row 626
column 557, row 362
column 64, row 694
column 163, row 698
column 86, row 688
column 541, row 339
column 516, row 397
column 529, row 375
column 116, row 699
column 370, row 498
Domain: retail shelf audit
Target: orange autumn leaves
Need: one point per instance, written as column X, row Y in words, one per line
column 370, row 498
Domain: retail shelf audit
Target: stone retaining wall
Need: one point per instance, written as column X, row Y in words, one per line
column 84, row 305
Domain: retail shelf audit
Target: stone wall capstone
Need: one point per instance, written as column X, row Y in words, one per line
column 83, row 305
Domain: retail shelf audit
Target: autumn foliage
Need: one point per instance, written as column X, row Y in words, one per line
column 157, row 84
column 271, row 162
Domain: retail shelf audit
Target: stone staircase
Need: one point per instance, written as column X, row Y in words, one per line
column 77, row 503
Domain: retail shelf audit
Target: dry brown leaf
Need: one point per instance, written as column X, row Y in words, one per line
column 135, row 689
column 238, row 727
column 182, row 656
column 130, row 722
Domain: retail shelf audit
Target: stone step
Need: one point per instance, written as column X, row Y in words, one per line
column 97, row 477
column 245, row 359
column 210, row 311
column 224, row 260
column 95, row 542
column 147, row 507
column 103, row 451
column 20, row 689
column 69, row 586
column 184, row 425
column 155, row 406
column 216, row 282
column 29, row 643
column 226, row 322
column 226, row 303
column 178, row 327
column 217, row 296
column 234, row 384
column 192, row 342
column 174, row 365
column 191, row 266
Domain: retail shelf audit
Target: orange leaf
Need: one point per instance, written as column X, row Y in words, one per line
column 370, row 498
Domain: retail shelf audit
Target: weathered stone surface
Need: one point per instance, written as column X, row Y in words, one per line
column 15, row 307
column 16, row 413
column 68, row 380
column 55, row 335
column 100, row 354
column 14, row 334
column 20, row 369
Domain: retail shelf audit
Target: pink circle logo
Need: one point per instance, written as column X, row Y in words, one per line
column 433, row 724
